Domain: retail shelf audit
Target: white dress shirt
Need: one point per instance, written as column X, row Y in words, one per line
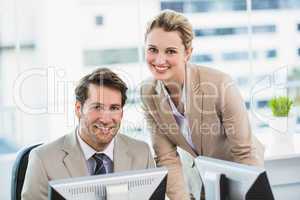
column 181, row 119
column 88, row 153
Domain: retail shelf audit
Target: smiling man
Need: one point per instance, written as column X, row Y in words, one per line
column 95, row 147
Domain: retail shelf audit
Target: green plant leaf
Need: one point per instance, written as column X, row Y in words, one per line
column 280, row 106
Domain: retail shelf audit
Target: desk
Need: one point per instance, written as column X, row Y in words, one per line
column 282, row 163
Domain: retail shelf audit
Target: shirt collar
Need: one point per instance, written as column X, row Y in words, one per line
column 88, row 151
column 165, row 92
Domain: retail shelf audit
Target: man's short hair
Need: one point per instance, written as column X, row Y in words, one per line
column 100, row 77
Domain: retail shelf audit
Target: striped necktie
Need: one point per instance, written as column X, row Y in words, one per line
column 103, row 164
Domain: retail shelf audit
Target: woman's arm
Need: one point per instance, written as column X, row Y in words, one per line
column 165, row 151
column 166, row 155
column 245, row 148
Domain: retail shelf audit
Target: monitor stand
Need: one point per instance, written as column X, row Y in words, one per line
column 215, row 186
column 117, row 192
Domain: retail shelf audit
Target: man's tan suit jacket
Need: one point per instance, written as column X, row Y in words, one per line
column 64, row 158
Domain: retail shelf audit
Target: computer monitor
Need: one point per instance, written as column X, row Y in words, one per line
column 224, row 180
column 132, row 185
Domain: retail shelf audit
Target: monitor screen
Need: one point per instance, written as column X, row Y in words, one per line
column 228, row 180
column 132, row 185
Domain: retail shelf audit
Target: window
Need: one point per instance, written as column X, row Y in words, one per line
column 262, row 104
column 238, row 56
column 200, row 6
column 220, row 31
column 242, row 81
column 224, row 31
column 272, row 53
column 28, row 46
column 235, row 30
column 173, row 5
column 110, row 56
column 99, row 20
column 204, row 32
column 298, row 51
column 247, row 104
column 238, row 5
column 202, row 58
column 235, row 56
column 264, row 29
column 194, row 6
column 265, row 4
column 286, row 4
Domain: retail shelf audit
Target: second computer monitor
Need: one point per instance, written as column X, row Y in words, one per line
column 228, row 180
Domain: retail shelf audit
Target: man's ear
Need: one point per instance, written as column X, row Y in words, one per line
column 188, row 54
column 78, row 109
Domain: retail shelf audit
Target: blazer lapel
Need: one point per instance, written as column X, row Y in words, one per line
column 167, row 120
column 194, row 106
column 122, row 156
column 164, row 110
column 74, row 160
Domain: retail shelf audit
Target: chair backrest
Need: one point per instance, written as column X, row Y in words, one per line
column 19, row 171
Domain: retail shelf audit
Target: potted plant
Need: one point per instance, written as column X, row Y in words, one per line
column 281, row 107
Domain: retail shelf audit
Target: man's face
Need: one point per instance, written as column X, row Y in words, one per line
column 100, row 116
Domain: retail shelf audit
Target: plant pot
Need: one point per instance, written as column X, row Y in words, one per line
column 283, row 124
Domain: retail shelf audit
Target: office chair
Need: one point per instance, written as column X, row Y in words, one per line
column 19, row 171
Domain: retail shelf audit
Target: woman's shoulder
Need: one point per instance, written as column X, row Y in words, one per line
column 148, row 86
column 209, row 74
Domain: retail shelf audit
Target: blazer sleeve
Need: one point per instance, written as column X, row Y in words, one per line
column 245, row 148
column 166, row 155
column 36, row 181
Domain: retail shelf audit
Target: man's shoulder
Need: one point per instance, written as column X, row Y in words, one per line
column 51, row 148
column 133, row 143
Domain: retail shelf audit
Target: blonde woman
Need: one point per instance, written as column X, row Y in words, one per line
column 192, row 107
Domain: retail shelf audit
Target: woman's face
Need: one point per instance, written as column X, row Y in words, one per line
column 166, row 55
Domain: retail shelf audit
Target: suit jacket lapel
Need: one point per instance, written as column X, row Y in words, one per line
column 74, row 161
column 122, row 155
